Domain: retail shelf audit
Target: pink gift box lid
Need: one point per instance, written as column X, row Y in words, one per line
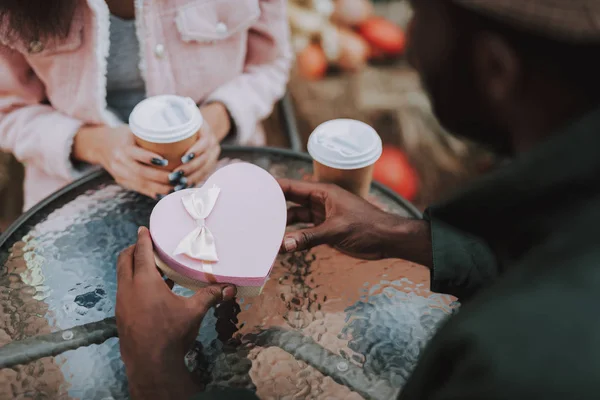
column 248, row 223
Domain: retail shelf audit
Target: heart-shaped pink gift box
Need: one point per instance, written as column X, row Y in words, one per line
column 247, row 222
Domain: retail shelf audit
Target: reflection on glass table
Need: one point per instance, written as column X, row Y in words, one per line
column 326, row 325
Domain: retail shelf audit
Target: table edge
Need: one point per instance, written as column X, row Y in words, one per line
column 408, row 206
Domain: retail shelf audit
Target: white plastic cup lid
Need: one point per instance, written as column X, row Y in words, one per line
column 165, row 119
column 345, row 144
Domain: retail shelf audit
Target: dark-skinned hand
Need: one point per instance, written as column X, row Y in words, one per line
column 351, row 224
column 157, row 327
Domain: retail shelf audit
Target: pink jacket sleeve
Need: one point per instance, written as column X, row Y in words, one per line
column 250, row 97
column 34, row 132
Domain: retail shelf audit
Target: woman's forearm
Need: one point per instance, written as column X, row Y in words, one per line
column 87, row 144
column 217, row 117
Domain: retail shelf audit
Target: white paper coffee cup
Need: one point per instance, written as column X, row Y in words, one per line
column 167, row 125
column 344, row 152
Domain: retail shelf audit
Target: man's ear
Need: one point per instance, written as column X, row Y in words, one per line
column 497, row 68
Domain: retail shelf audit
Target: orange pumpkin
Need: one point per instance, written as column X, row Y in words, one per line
column 394, row 171
column 384, row 35
column 311, row 62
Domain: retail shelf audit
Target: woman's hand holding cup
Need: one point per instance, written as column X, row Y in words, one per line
column 188, row 137
column 131, row 166
column 200, row 160
column 168, row 145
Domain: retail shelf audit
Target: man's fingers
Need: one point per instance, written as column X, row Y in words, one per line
column 125, row 265
column 306, row 239
column 164, row 277
column 299, row 214
column 301, row 192
column 209, row 296
column 144, row 264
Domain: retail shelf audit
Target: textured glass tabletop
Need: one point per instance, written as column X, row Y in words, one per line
column 326, row 326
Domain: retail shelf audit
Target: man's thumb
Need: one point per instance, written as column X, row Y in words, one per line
column 305, row 239
column 209, row 296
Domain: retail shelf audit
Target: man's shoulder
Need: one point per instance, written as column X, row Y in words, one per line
column 532, row 334
column 544, row 323
column 554, row 282
column 515, row 343
column 550, row 285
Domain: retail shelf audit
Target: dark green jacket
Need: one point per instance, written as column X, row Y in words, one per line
column 529, row 325
column 521, row 249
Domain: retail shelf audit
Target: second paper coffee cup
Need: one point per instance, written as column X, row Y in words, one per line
column 344, row 152
column 167, row 125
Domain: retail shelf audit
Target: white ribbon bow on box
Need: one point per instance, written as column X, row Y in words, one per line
column 200, row 243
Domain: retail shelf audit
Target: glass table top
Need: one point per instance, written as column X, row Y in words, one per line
column 326, row 326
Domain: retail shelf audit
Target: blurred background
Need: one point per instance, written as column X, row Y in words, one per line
column 350, row 64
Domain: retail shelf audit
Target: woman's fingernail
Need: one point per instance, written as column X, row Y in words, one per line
column 187, row 158
column 290, row 244
column 139, row 230
column 174, row 177
column 228, row 293
column 159, row 197
column 183, row 180
column 160, row 162
column 179, row 187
